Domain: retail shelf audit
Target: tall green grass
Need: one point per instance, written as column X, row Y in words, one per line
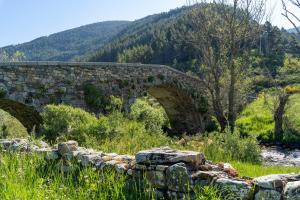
column 30, row 177
column 254, row 170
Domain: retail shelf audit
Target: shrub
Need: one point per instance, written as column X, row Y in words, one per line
column 66, row 122
column 94, row 98
column 153, row 117
column 129, row 136
column 112, row 133
column 231, row 146
column 10, row 127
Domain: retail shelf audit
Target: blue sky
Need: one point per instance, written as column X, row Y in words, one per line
column 24, row 20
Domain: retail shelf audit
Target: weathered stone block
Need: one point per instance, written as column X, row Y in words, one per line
column 292, row 191
column 263, row 194
column 269, row 182
column 167, row 155
column 67, row 147
column 238, row 189
column 178, row 178
column 206, row 178
column 157, row 179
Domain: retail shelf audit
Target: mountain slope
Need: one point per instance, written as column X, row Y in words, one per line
column 68, row 44
column 153, row 39
column 164, row 39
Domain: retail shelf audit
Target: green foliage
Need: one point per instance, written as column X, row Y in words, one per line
column 113, row 132
column 29, row 117
column 138, row 54
column 210, row 193
column 63, row 122
column 154, row 39
column 10, row 127
column 94, row 98
column 257, row 119
column 115, row 105
column 31, row 177
column 290, row 73
column 153, row 117
column 255, row 170
column 231, row 146
column 129, row 136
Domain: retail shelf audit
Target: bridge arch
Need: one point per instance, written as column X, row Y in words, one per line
column 40, row 83
column 27, row 115
column 183, row 114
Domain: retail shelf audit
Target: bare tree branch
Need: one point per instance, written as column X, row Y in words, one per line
column 291, row 17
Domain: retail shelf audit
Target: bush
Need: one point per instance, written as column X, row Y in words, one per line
column 111, row 133
column 63, row 122
column 127, row 136
column 231, row 146
column 10, row 127
column 94, row 98
column 153, row 117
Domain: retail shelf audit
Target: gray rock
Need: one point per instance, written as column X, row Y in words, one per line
column 167, row 155
column 52, row 155
column 178, row 178
column 271, row 181
column 91, row 159
column 236, row 189
column 205, row 178
column 267, row 195
column 292, row 191
column 20, row 145
column 67, row 147
column 121, row 168
column 157, row 179
column 5, row 144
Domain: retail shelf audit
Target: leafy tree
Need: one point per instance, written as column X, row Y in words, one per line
column 223, row 35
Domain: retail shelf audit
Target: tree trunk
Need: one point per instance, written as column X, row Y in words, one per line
column 231, row 98
column 278, row 117
column 220, row 115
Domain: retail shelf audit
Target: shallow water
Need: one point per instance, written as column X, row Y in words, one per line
column 277, row 156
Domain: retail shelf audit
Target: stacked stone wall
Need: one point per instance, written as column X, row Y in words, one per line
column 174, row 174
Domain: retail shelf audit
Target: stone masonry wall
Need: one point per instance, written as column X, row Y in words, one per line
column 41, row 83
column 174, row 174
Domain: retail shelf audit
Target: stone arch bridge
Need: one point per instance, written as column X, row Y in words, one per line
column 40, row 83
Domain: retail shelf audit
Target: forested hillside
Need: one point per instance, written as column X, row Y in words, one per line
column 67, row 45
column 166, row 39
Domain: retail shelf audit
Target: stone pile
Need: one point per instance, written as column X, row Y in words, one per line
column 174, row 174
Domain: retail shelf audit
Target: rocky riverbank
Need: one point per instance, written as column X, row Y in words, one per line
column 279, row 156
